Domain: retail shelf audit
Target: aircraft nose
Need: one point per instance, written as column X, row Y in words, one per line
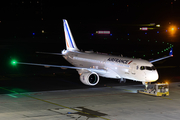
column 153, row 76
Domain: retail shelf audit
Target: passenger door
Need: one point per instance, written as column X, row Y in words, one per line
column 133, row 69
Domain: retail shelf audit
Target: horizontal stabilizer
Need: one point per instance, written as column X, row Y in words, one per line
column 49, row 53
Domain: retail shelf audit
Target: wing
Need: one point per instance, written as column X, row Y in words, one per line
column 70, row 67
column 170, row 55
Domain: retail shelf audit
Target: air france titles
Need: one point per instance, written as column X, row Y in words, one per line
column 119, row 60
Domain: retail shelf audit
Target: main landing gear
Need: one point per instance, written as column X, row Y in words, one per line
column 122, row 80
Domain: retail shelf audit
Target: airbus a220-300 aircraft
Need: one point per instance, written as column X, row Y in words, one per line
column 91, row 65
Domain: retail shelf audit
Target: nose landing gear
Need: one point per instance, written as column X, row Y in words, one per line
column 146, row 84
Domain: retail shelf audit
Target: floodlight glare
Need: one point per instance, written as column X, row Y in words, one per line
column 158, row 25
column 172, row 30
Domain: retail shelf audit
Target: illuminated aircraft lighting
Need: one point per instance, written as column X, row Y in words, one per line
column 14, row 62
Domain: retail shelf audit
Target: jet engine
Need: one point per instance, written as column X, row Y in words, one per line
column 89, row 78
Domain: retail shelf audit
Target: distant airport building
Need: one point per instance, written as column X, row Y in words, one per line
column 103, row 32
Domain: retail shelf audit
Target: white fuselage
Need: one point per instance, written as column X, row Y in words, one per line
column 115, row 66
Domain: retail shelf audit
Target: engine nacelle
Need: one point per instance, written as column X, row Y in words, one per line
column 89, row 78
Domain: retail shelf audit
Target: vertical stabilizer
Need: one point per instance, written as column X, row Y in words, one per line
column 70, row 44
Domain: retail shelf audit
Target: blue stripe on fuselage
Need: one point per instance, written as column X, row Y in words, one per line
column 69, row 34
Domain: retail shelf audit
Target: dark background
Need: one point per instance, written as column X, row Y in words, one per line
column 22, row 22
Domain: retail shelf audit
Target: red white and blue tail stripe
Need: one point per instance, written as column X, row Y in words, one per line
column 70, row 44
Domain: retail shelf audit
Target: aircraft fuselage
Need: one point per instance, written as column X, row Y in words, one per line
column 116, row 67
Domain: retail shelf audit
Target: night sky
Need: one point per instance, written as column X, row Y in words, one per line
column 23, row 17
column 22, row 22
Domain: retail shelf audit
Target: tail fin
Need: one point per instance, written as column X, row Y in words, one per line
column 70, row 44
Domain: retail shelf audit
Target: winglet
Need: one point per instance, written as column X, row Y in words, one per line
column 171, row 52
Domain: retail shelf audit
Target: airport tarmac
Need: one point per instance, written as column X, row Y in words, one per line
column 100, row 103
column 38, row 93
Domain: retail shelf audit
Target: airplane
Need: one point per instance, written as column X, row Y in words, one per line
column 92, row 65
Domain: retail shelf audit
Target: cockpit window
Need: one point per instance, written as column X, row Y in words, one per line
column 142, row 68
column 153, row 68
column 147, row 68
